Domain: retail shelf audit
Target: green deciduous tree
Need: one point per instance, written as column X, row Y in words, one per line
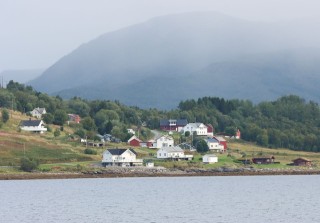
column 60, row 117
column 5, row 115
column 28, row 164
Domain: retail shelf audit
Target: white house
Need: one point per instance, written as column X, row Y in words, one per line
column 38, row 112
column 164, row 141
column 33, row 126
column 120, row 157
column 209, row 158
column 214, row 145
column 199, row 128
column 174, row 152
column 131, row 131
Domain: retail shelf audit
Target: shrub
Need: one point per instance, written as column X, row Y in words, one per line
column 90, row 151
column 28, row 164
column 5, row 115
column 81, row 133
column 56, row 133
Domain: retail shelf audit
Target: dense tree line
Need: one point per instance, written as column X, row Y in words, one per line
column 289, row 122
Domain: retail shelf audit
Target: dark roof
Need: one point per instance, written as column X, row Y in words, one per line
column 302, row 158
column 120, row 151
column 182, row 122
column 30, row 123
column 179, row 122
column 40, row 110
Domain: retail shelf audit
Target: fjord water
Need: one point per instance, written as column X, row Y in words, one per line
column 166, row 199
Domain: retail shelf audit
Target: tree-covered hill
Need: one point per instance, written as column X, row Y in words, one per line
column 288, row 122
column 158, row 63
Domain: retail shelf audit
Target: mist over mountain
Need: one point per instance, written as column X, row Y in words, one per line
column 21, row 76
column 171, row 58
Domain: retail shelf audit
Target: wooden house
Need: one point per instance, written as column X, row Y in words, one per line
column 221, row 141
column 263, row 160
column 174, row 153
column 120, row 157
column 74, row 118
column 209, row 158
column 38, row 112
column 302, row 162
column 134, row 141
column 33, row 126
column 172, row 124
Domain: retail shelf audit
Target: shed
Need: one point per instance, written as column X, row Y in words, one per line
column 302, row 162
column 134, row 141
column 209, row 158
column 263, row 160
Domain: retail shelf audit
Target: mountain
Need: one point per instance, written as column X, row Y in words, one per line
column 167, row 59
column 21, row 76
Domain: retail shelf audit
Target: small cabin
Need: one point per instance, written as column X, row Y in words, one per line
column 263, row 160
column 302, row 162
column 209, row 158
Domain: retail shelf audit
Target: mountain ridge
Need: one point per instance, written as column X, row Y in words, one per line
column 130, row 63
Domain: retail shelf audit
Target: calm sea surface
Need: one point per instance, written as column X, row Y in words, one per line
column 172, row 199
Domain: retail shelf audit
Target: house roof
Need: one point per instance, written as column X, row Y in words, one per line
column 118, row 152
column 172, row 149
column 134, row 137
column 40, row 110
column 30, row 122
column 212, row 140
column 219, row 138
column 210, row 155
column 195, row 125
column 179, row 122
column 302, row 158
column 166, row 136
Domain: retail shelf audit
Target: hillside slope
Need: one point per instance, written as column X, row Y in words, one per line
column 15, row 144
column 167, row 59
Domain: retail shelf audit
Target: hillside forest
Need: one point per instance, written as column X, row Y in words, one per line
column 288, row 122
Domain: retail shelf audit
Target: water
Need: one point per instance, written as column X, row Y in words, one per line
column 167, row 199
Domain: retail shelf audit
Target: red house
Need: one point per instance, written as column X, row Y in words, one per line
column 221, row 141
column 172, row 124
column 151, row 144
column 74, row 118
column 210, row 130
column 134, row 141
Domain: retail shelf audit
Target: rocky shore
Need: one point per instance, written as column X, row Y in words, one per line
column 113, row 172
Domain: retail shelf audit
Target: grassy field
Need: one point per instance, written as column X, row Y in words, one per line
column 15, row 144
column 64, row 153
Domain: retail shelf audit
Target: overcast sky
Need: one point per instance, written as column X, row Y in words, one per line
column 36, row 33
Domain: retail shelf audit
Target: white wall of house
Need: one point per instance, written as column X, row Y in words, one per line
column 36, row 113
column 131, row 131
column 127, row 156
column 215, row 146
column 164, row 141
column 40, row 128
column 199, row 128
column 210, row 158
column 34, row 128
column 167, row 152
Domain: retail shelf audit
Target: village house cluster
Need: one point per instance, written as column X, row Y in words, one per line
column 165, row 145
column 37, row 125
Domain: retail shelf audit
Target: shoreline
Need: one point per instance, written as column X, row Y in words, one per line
column 154, row 172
